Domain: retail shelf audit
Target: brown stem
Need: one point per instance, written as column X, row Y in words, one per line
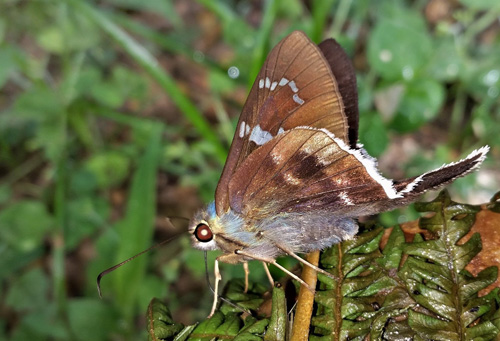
column 302, row 320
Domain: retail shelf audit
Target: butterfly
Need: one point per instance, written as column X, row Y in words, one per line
column 296, row 179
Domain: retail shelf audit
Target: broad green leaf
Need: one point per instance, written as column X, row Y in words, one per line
column 41, row 324
column 24, row 225
column 91, row 319
column 482, row 79
column 421, row 102
column 397, row 51
column 373, row 133
column 110, row 168
column 29, row 291
column 41, row 111
column 8, row 65
column 446, row 61
column 52, row 39
column 86, row 214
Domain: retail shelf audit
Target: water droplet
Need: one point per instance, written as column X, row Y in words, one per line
column 491, row 77
column 198, row 56
column 408, row 72
column 493, row 91
column 385, row 56
column 402, row 219
column 233, row 72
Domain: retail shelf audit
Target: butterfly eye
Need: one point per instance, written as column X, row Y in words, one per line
column 203, row 233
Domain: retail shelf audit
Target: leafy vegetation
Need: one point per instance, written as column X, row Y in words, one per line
column 117, row 114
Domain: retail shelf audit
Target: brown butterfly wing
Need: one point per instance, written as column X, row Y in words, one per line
column 308, row 169
column 300, row 166
column 344, row 73
column 295, row 87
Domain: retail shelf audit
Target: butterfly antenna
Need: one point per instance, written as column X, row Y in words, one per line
column 234, row 305
column 176, row 217
column 114, row 267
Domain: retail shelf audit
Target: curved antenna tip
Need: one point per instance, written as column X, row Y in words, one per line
column 105, row 272
column 99, row 285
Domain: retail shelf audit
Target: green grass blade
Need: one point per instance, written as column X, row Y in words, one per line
column 136, row 229
column 150, row 64
column 262, row 40
column 221, row 10
column 320, row 11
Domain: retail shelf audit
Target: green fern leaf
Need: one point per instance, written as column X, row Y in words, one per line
column 160, row 322
column 435, row 276
column 278, row 323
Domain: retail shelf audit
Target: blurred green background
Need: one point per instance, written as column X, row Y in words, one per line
column 116, row 114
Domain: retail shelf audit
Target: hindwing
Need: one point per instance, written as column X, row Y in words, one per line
column 309, row 169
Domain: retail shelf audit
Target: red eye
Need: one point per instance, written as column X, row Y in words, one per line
column 203, row 233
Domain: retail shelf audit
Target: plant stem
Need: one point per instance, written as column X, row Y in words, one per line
column 305, row 302
column 262, row 39
column 320, row 11
column 477, row 26
column 457, row 112
column 340, row 17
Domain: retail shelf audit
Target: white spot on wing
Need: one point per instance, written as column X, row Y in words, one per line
column 247, row 129
column 277, row 157
column 293, row 86
column 283, row 81
column 291, row 179
column 242, row 129
column 268, row 83
column 261, row 84
column 297, row 99
column 281, row 130
column 324, row 155
column 273, row 86
column 345, row 198
column 260, row 136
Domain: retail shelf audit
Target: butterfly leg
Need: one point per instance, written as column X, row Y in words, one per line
column 247, row 272
column 218, row 277
column 305, row 262
column 269, row 276
column 273, row 262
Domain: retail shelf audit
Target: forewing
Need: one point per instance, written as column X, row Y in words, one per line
column 295, row 87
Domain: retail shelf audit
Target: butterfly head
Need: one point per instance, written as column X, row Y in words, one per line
column 211, row 232
column 202, row 228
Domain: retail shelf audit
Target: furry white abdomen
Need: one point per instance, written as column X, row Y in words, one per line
column 295, row 232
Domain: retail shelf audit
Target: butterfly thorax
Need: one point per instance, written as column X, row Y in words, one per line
column 268, row 237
